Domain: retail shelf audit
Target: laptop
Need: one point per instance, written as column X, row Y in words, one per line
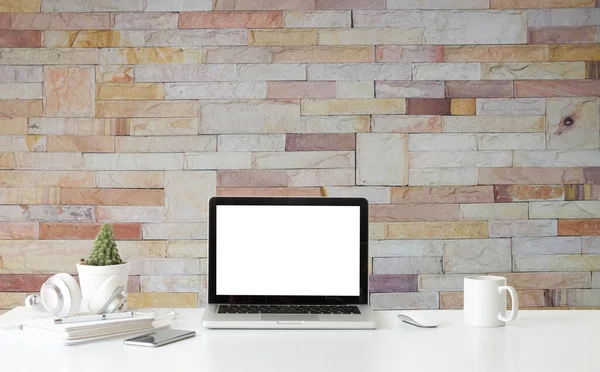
column 288, row 263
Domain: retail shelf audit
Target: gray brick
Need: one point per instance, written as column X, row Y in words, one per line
column 477, row 255
column 579, row 262
column 405, row 248
column 409, row 300
column 407, row 265
column 548, row 245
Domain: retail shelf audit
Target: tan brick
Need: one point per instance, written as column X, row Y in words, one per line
column 236, row 54
column 30, row 195
column 531, row 176
column 494, row 211
column 320, row 54
column 43, row 56
column 353, row 106
column 144, row 300
column 164, row 127
column 19, row 230
column 89, row 196
column 541, row 71
column 93, row 39
column 21, row 6
column 463, row 106
column 147, row 109
column 46, row 179
column 114, row 74
column 497, row 124
column 129, row 179
column 13, row 126
column 68, row 143
column 16, row 108
column 48, row 161
column 413, row 212
column 469, row 194
column 63, row 21
column 497, row 53
column 231, row 19
column 79, row 126
column 7, row 160
column 187, row 248
column 282, row 37
column 571, row 52
column 129, row 91
column 155, row 55
column 436, row 230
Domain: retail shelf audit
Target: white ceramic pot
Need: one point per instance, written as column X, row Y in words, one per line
column 91, row 277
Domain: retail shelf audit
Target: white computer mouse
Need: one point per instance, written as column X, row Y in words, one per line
column 420, row 320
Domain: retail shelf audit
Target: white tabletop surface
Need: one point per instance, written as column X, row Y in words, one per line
column 549, row 341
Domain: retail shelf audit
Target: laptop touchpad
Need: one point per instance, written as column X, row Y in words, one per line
column 290, row 318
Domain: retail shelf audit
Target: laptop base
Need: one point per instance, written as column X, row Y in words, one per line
column 367, row 319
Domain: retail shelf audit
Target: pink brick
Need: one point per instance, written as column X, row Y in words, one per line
column 249, row 178
column 231, row 19
column 562, row 35
column 4, row 21
column 410, row 53
column 413, row 212
column 86, row 231
column 445, row 194
column 133, row 284
column 19, row 230
column 263, row 4
column 350, row 4
column 20, row 39
column 22, row 282
column 59, row 21
column 320, row 142
column 479, row 89
column 300, row 89
column 388, row 283
column 557, row 88
column 531, row 176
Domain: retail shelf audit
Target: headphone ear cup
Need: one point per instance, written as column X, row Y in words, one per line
column 109, row 297
column 74, row 293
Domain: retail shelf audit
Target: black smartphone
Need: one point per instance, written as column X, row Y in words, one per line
column 160, row 337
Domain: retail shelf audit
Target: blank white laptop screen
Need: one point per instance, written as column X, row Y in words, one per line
column 276, row 250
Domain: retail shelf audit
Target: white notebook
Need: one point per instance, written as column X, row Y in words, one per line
column 34, row 325
column 74, row 331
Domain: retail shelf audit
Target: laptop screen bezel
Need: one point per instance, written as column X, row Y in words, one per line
column 361, row 299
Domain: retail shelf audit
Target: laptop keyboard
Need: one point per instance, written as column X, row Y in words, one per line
column 288, row 309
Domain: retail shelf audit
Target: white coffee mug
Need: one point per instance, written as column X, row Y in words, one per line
column 485, row 301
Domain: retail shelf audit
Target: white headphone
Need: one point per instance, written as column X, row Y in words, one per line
column 61, row 296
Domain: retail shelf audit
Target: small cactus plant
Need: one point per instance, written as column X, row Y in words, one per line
column 105, row 250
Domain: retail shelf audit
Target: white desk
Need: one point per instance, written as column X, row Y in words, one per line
column 549, row 341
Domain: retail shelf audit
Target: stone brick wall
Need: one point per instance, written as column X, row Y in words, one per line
column 472, row 126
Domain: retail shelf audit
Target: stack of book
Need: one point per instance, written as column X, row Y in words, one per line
column 29, row 323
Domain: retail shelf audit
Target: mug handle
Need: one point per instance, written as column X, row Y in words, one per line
column 515, row 304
